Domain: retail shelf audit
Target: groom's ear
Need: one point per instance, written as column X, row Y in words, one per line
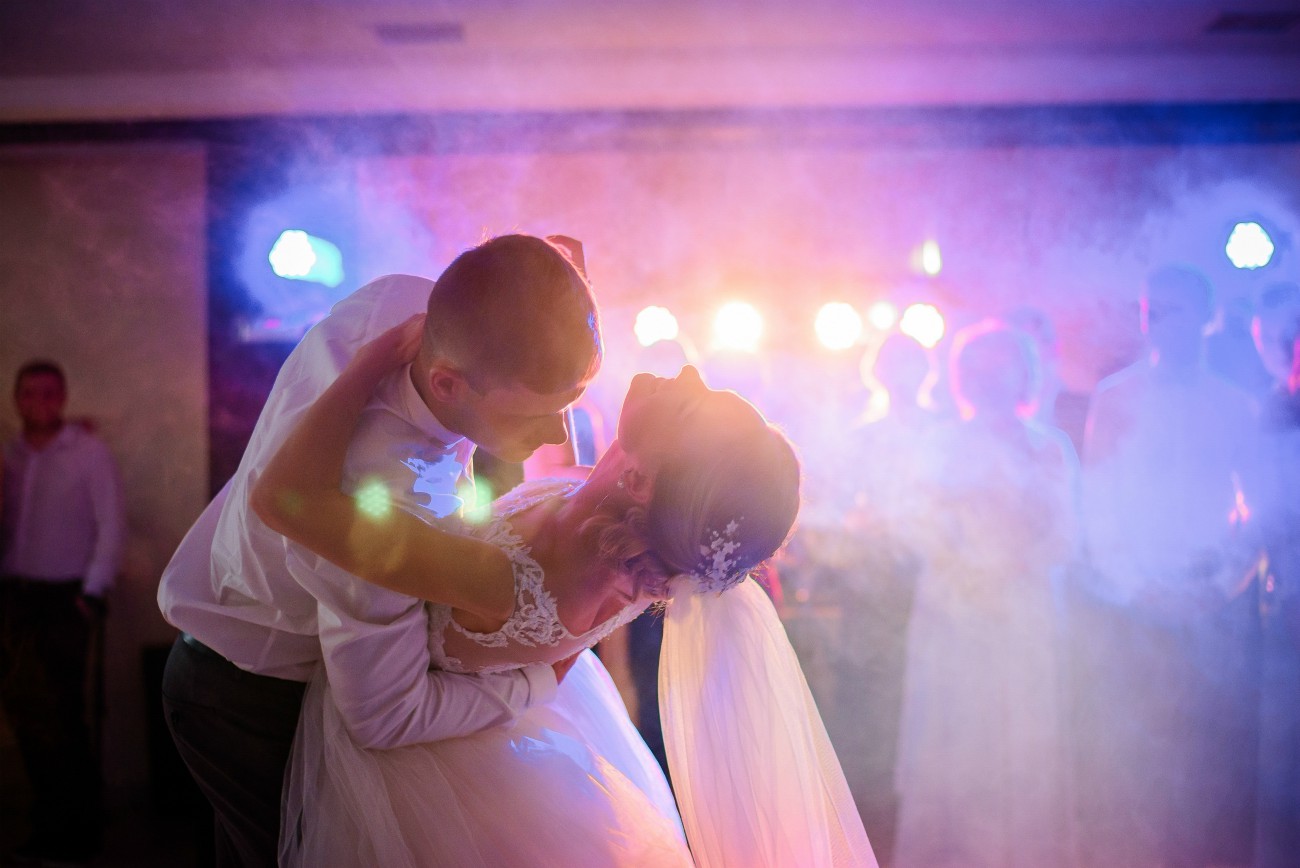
column 446, row 383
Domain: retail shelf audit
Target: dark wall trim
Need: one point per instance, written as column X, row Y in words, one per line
column 968, row 126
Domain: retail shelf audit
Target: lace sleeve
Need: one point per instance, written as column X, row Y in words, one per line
column 535, row 622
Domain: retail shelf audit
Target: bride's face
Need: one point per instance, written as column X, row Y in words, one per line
column 655, row 405
column 661, row 415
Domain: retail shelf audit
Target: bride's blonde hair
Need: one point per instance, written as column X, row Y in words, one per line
column 746, row 473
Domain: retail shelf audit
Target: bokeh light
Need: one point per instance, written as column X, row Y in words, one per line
column 882, row 315
column 923, row 323
column 838, row 325
column 299, row 256
column 737, row 326
column 373, row 499
column 931, row 261
column 1249, row 246
column 654, row 324
column 478, row 500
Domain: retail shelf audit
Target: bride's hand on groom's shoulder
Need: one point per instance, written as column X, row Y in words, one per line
column 393, row 348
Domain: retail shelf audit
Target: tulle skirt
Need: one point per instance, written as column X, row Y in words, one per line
column 570, row 784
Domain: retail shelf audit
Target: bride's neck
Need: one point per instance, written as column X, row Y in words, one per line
column 584, row 503
column 579, row 573
column 552, row 527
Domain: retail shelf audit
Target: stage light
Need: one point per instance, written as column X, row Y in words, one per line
column 838, row 325
column 299, row 256
column 882, row 315
column 655, row 324
column 737, row 326
column 931, row 261
column 1249, row 246
column 923, row 323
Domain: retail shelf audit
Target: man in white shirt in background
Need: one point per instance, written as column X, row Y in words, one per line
column 1166, row 622
column 63, row 535
column 511, row 340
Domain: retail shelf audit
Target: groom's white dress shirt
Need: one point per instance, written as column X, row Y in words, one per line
column 274, row 608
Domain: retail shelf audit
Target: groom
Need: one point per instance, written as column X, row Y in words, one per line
column 511, row 341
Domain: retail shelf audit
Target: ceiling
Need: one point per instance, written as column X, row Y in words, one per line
column 86, row 60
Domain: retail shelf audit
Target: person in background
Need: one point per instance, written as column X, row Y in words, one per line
column 1277, row 830
column 1271, row 328
column 1230, row 349
column 866, row 552
column 1166, row 620
column 63, row 536
column 983, row 766
column 1057, row 405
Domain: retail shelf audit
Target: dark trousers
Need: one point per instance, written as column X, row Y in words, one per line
column 234, row 730
column 645, row 636
column 43, row 643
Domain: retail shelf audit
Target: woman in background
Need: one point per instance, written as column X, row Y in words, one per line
column 982, row 769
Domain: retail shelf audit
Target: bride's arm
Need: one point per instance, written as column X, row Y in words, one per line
column 299, row 495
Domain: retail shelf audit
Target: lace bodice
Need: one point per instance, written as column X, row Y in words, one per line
column 535, row 622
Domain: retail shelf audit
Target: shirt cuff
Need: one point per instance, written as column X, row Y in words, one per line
column 541, row 683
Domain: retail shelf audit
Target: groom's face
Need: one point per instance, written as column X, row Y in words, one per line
column 513, row 422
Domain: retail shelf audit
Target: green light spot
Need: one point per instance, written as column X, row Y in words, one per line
column 374, row 500
column 477, row 498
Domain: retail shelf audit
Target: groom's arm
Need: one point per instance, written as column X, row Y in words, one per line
column 374, row 642
column 375, row 646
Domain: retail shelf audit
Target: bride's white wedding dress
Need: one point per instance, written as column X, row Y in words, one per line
column 571, row 784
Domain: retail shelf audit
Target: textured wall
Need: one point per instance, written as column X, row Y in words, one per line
column 102, row 269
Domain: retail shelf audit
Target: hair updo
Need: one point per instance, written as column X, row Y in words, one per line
column 723, row 502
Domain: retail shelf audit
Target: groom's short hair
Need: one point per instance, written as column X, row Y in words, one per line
column 515, row 310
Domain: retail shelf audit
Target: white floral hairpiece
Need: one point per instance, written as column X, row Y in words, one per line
column 719, row 572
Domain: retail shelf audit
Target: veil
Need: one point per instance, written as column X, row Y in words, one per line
column 756, row 778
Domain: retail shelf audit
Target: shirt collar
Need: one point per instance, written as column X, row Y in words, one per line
column 400, row 391
column 67, row 434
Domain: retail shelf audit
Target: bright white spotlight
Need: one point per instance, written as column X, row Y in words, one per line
column 838, row 325
column 924, row 323
column 882, row 315
column 931, row 261
column 291, row 255
column 737, row 326
column 1249, row 246
column 299, row 256
column 654, row 324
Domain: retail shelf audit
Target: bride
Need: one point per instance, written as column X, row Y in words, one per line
column 695, row 491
